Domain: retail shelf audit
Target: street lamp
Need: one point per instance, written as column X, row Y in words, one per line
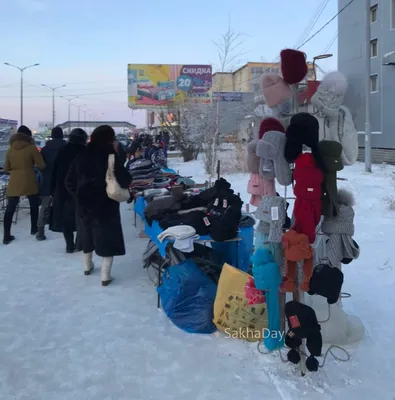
column 79, row 110
column 21, row 69
column 319, row 57
column 53, row 100
column 69, row 99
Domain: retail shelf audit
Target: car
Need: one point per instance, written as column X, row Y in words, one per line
column 40, row 143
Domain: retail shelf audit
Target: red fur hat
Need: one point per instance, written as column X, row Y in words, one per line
column 293, row 66
column 270, row 124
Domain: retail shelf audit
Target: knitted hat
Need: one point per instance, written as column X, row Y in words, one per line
column 307, row 209
column 340, row 229
column 326, row 281
column 252, row 159
column 293, row 66
column 297, row 248
column 271, row 147
column 270, row 124
column 25, row 130
column 303, row 130
column 258, row 187
column 329, row 157
column 330, row 94
column 275, row 89
column 272, row 210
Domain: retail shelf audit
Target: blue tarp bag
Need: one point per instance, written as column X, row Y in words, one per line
column 187, row 297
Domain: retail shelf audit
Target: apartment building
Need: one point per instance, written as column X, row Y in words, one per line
column 246, row 79
column 352, row 53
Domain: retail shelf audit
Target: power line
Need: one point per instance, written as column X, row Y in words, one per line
column 329, row 45
column 40, row 97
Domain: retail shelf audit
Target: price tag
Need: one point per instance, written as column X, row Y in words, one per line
column 310, row 189
column 225, row 203
column 206, row 221
column 274, row 213
column 216, row 202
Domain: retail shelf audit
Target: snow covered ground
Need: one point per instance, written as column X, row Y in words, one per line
column 63, row 336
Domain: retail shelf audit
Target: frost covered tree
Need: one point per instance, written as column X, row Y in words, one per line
column 189, row 124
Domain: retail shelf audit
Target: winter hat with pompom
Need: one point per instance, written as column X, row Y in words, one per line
column 303, row 130
column 293, row 66
column 271, row 148
column 307, row 209
column 275, row 90
column 330, row 94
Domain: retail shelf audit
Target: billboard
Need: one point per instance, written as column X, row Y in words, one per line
column 8, row 123
column 155, row 85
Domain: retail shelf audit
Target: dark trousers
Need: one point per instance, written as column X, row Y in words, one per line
column 12, row 204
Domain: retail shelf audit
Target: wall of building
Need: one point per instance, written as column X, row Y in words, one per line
column 222, row 82
column 351, row 62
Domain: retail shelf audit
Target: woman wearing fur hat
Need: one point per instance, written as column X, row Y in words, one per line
column 21, row 160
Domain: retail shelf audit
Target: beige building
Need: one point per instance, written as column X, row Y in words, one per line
column 246, row 78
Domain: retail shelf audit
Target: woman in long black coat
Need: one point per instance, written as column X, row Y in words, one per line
column 64, row 217
column 99, row 216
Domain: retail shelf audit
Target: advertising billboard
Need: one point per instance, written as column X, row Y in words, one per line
column 155, row 85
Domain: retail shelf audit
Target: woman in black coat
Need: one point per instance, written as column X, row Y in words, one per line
column 64, row 217
column 99, row 216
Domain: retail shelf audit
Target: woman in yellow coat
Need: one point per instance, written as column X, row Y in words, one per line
column 21, row 159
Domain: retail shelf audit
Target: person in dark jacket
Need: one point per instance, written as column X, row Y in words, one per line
column 21, row 160
column 99, row 216
column 49, row 153
column 64, row 217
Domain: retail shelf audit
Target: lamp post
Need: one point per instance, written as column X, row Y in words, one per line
column 53, row 100
column 21, row 69
column 69, row 99
column 368, row 132
column 79, row 110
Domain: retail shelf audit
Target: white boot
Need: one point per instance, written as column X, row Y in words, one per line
column 88, row 263
column 106, row 271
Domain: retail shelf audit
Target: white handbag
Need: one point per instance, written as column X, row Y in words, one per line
column 114, row 191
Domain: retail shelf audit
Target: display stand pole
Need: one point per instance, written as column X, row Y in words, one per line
column 219, row 169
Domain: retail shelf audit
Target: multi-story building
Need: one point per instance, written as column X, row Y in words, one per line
column 352, row 53
column 246, row 79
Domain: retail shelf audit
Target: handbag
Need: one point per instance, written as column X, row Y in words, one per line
column 113, row 189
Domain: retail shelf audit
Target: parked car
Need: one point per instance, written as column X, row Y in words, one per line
column 40, row 143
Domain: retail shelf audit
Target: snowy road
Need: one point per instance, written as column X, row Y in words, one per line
column 64, row 337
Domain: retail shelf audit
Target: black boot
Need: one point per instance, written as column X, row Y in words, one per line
column 41, row 234
column 8, row 238
column 69, row 237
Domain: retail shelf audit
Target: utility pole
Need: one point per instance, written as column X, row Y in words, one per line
column 69, row 99
column 53, row 100
column 21, row 69
column 79, row 110
column 368, row 132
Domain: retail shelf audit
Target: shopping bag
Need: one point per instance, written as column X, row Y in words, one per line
column 114, row 190
column 232, row 314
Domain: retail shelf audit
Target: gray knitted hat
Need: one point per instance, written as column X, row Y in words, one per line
column 271, row 147
column 253, row 160
column 340, row 229
column 272, row 210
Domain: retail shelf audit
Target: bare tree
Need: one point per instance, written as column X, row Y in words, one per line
column 229, row 50
column 189, row 122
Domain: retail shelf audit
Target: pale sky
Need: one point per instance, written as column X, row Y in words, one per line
column 87, row 44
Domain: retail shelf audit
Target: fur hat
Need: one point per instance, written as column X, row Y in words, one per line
column 303, row 130
column 270, row 124
column 293, row 66
column 327, row 282
column 307, row 209
column 330, row 94
column 271, row 147
column 275, row 89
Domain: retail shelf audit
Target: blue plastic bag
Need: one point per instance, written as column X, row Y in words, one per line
column 187, row 297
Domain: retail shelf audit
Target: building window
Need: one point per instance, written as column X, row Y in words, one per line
column 392, row 14
column 255, row 88
column 373, row 13
column 373, row 48
column 374, row 83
